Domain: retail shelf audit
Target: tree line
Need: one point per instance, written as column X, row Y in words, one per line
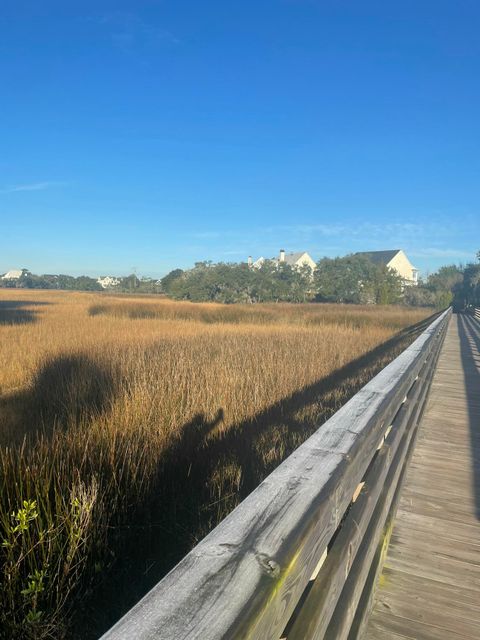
column 452, row 284
column 351, row 279
column 130, row 283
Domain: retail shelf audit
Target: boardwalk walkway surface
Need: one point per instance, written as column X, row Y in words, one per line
column 430, row 586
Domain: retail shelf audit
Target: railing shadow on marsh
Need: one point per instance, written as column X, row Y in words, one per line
column 72, row 387
column 17, row 311
column 173, row 521
column 469, row 334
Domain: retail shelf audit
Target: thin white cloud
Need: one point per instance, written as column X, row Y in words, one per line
column 434, row 252
column 33, row 186
column 310, row 229
column 306, row 231
column 351, row 229
column 318, row 229
column 128, row 31
column 233, row 252
column 395, row 228
column 339, row 238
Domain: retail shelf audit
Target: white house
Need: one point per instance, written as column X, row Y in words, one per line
column 13, row 274
column 107, row 282
column 257, row 264
column 394, row 259
column 295, row 260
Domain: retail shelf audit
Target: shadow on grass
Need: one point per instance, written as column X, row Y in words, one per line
column 202, row 476
column 181, row 507
column 14, row 311
column 66, row 391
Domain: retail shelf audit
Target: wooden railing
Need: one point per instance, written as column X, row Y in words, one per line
column 299, row 557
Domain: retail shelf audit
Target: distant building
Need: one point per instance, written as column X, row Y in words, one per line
column 13, row 274
column 295, row 260
column 394, row 259
column 107, row 282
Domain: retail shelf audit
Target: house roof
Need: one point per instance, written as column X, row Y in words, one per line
column 292, row 258
column 379, row 257
column 13, row 274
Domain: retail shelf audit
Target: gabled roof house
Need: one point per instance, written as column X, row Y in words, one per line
column 296, row 260
column 13, row 274
column 394, row 259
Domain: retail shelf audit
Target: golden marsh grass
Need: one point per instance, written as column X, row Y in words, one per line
column 130, row 426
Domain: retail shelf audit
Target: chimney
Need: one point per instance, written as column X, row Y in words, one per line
column 250, row 261
column 282, row 255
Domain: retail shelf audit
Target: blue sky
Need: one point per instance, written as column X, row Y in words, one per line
column 153, row 134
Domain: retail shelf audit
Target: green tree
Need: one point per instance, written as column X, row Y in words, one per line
column 66, row 282
column 129, row 283
column 419, row 296
column 445, row 279
column 85, row 283
column 167, row 281
column 229, row 283
column 356, row 279
column 471, row 285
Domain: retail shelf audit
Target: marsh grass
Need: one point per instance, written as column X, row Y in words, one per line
column 265, row 314
column 130, row 427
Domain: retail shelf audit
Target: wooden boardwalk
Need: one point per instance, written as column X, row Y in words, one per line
column 430, row 585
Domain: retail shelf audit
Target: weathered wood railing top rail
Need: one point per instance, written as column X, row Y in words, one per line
column 298, row 557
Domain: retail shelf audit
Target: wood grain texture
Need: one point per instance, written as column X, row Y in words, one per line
column 430, row 586
column 364, row 607
column 379, row 485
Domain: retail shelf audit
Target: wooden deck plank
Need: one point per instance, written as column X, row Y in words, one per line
column 430, row 585
column 432, row 525
column 386, row 625
column 431, row 591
